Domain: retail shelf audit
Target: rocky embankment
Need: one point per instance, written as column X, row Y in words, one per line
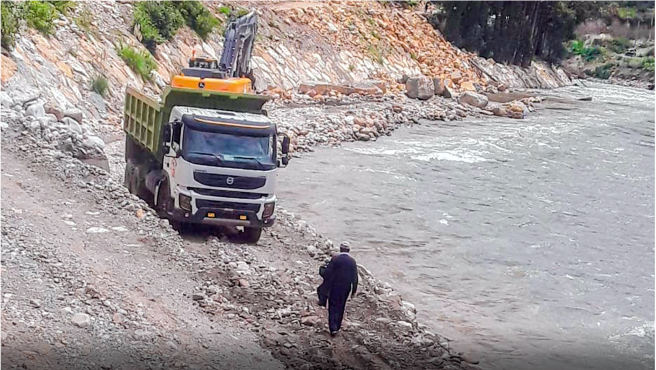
column 67, row 298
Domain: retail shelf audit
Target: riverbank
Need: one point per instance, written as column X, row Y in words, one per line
column 483, row 224
column 185, row 295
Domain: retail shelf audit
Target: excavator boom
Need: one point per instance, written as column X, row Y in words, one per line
column 238, row 46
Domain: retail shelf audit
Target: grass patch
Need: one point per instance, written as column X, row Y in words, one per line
column 10, row 24
column 157, row 22
column 197, row 17
column 240, row 12
column 139, row 60
column 648, row 64
column 100, row 85
column 626, row 13
column 225, row 10
column 40, row 16
column 619, row 45
column 84, row 20
column 603, row 72
column 376, row 54
column 62, row 6
column 577, row 47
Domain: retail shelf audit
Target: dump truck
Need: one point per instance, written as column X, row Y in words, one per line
column 206, row 153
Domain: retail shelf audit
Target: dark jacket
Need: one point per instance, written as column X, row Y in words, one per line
column 341, row 273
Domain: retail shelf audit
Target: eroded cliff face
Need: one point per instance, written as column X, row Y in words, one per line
column 334, row 42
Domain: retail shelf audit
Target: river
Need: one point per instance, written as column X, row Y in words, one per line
column 529, row 243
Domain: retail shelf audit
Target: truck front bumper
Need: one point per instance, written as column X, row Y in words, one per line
column 222, row 217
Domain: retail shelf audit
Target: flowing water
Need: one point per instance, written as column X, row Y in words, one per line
column 529, row 243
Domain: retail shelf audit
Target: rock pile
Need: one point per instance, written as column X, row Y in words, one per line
column 66, row 130
column 361, row 88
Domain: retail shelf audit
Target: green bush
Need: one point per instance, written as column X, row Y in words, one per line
column 157, row 21
column 225, row 10
column 648, row 63
column 577, row 47
column 40, row 16
column 619, row 45
column 603, row 72
column 241, row 12
column 100, row 85
column 626, row 13
column 139, row 60
column 10, row 24
column 62, row 6
column 197, row 17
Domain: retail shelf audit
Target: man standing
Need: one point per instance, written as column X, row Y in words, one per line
column 340, row 279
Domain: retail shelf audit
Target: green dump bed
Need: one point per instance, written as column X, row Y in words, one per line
column 144, row 117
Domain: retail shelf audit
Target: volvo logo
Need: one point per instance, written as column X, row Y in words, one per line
column 230, row 180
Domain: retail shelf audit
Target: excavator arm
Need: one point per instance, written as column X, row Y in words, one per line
column 238, row 47
column 232, row 72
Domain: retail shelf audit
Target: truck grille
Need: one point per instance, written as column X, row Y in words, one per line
column 204, row 203
column 228, row 193
column 225, row 181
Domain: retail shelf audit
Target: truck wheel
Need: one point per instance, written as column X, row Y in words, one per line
column 134, row 181
column 127, row 177
column 163, row 199
column 251, row 235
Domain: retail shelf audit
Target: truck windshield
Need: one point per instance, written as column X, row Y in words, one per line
column 216, row 149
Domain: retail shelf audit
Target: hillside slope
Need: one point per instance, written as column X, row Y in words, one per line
column 335, row 42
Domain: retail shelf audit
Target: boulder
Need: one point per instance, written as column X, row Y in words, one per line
column 456, row 76
column 474, row 99
column 438, row 85
column 420, row 87
column 98, row 101
column 72, row 124
column 81, row 319
column 371, row 85
column 36, row 110
column 467, row 86
column 321, row 88
column 499, row 111
column 50, row 109
column 75, row 114
column 94, row 142
column 7, row 101
column 448, row 93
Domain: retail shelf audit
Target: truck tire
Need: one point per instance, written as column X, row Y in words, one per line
column 127, row 176
column 251, row 235
column 163, row 199
column 137, row 186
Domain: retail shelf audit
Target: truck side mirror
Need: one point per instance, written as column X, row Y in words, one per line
column 285, row 145
column 166, row 138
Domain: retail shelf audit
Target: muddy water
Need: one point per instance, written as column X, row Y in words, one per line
column 525, row 242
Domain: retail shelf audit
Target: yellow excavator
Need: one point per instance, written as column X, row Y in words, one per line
column 232, row 73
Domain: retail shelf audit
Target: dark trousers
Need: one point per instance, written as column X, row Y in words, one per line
column 336, row 307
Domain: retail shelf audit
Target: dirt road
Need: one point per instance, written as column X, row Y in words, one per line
column 68, row 253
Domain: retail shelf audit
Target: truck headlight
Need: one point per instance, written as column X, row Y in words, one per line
column 268, row 209
column 185, row 202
